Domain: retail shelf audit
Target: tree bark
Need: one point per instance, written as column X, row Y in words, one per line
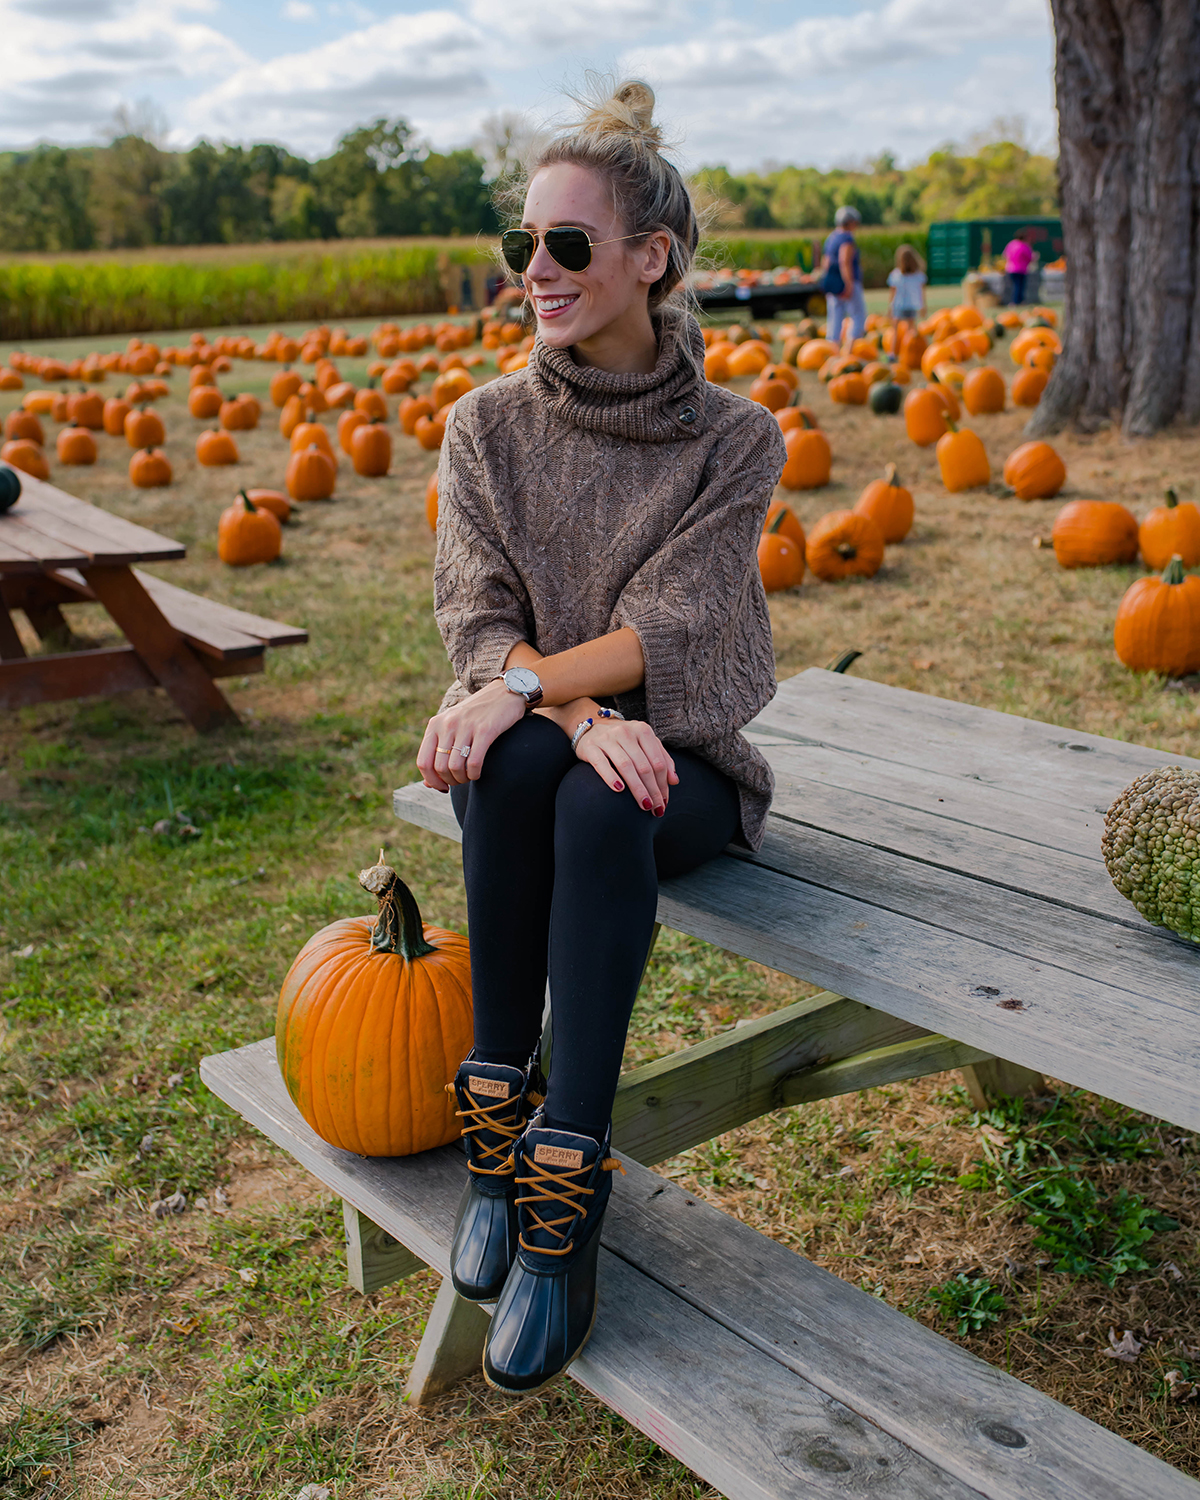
column 1127, row 78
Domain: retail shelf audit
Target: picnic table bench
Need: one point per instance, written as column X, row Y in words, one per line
column 939, row 866
column 55, row 550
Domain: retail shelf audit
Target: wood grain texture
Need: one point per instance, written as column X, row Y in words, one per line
column 451, row 1348
column 767, row 1375
column 62, row 515
column 77, row 674
column 373, row 1258
column 989, row 1079
column 11, row 648
column 23, row 543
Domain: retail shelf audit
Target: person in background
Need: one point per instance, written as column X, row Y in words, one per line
column 1018, row 257
column 907, row 281
column 842, row 268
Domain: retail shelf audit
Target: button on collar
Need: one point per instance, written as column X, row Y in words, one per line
column 687, row 415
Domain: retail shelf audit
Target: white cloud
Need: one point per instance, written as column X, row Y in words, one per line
column 298, row 10
column 64, row 77
column 429, row 64
column 574, row 23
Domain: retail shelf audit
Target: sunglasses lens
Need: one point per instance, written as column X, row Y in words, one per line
column 571, row 248
column 517, row 246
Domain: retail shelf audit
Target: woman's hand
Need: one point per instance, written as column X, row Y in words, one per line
column 474, row 723
column 628, row 753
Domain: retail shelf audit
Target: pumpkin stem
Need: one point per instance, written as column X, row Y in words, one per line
column 847, row 551
column 251, row 508
column 1172, row 499
column 778, row 521
column 398, row 928
column 1173, row 572
column 890, row 477
column 951, row 425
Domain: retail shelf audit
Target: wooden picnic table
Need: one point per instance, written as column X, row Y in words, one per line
column 939, row 867
column 57, row 549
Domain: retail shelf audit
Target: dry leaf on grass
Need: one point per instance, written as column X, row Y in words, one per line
column 161, row 1208
column 922, row 664
column 1126, row 1348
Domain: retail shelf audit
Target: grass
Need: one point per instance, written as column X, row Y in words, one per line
column 218, row 1352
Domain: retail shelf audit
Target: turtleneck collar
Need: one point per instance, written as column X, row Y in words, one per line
column 661, row 407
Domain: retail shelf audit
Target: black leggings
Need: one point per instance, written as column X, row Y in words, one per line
column 562, row 878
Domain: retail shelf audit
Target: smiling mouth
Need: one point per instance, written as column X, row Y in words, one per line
column 548, row 306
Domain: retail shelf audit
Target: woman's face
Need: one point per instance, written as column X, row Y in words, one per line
column 573, row 306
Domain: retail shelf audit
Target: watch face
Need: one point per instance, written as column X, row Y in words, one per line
column 521, row 680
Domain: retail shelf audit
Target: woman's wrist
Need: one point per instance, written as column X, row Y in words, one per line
column 568, row 715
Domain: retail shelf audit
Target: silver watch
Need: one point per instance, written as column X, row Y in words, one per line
column 525, row 682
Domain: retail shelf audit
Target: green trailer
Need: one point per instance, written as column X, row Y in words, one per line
column 957, row 246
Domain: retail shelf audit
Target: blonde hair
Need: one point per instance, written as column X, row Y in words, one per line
column 908, row 260
column 618, row 140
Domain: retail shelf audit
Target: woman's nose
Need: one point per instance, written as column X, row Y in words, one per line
column 543, row 266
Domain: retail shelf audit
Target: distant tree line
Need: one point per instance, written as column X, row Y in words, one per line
column 131, row 193
column 380, row 181
column 1001, row 177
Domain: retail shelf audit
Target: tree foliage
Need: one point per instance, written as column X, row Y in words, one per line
column 379, row 180
column 996, row 177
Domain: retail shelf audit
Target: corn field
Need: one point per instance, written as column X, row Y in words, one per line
column 79, row 297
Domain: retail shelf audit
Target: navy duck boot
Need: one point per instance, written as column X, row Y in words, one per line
column 546, row 1311
column 495, row 1102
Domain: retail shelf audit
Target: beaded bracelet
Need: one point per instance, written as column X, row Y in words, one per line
column 585, row 724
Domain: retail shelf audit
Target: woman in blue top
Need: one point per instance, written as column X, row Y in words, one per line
column 843, row 277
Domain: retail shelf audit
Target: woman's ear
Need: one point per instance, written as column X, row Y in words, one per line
column 654, row 256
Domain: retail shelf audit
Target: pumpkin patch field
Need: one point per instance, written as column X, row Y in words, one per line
column 174, row 1314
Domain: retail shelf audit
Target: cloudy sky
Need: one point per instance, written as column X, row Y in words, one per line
column 739, row 81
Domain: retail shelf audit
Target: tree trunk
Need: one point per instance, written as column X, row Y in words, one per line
column 1127, row 77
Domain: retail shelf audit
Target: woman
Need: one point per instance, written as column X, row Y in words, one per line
column 843, row 281
column 597, row 590
column 1018, row 257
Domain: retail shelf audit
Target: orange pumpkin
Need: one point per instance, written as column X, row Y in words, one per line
column 371, row 404
column 431, row 502
column 86, row 408
column 844, row 543
column 1093, row 534
column 144, row 428
column 1170, row 529
column 200, row 375
column 205, row 402
column 750, row 358
column 248, row 534
column 342, row 394
column 374, row 1017
column 311, row 474
column 76, row 445
column 448, row 387
column 284, row 383
column 1035, row 471
column 983, row 390
column 782, row 372
column 214, row 448
column 815, row 352
column 1158, row 623
column 26, row 455
column 59, row 411
column 1028, row 385
column 279, row 505
column 348, row 423
column 371, row 449
column 963, row 459
column 850, row 389
column 115, row 412
column 925, row 416
column 795, row 416
column 411, row 410
column 809, row 458
column 312, row 432
column 780, row 557
column 24, row 424
column 889, row 505
column 41, row 402
column 149, row 469
column 789, row 521
column 1040, row 358
column 430, row 432
column 770, row 393
column 240, row 414
column 395, row 380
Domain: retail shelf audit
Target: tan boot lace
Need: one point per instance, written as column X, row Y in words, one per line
column 556, row 1187
column 477, row 1117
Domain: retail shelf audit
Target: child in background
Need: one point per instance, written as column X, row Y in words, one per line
column 907, row 281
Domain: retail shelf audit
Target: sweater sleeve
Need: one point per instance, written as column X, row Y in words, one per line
column 698, row 604
column 479, row 600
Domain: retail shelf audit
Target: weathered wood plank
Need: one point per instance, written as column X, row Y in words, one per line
column 872, row 1392
column 373, row 1258
column 691, row 1096
column 664, row 1366
column 51, row 506
column 1083, row 1030
column 23, row 539
column 1157, row 972
column 11, row 648
column 76, row 674
column 451, row 1347
column 991, row 1078
column 212, row 614
column 975, row 1421
column 916, row 1057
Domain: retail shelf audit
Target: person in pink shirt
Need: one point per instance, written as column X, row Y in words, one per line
column 1018, row 257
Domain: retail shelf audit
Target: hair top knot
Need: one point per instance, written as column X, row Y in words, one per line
column 628, row 111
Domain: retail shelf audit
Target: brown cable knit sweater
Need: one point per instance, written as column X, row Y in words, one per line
column 573, row 502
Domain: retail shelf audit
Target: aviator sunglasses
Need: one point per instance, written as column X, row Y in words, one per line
column 571, row 248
